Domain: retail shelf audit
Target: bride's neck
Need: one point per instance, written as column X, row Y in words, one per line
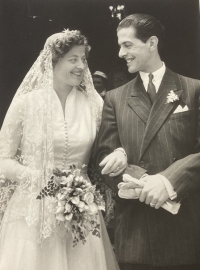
column 62, row 90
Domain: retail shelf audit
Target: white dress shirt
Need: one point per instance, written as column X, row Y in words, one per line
column 157, row 78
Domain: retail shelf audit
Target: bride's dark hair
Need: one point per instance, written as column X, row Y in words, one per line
column 65, row 42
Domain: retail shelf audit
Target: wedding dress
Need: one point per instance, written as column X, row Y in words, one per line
column 74, row 132
column 36, row 137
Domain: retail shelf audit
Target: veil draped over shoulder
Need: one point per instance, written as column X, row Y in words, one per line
column 26, row 145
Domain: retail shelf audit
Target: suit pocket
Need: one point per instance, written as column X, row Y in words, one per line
column 182, row 115
column 183, row 132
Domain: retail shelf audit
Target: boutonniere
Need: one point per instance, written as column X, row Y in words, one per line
column 171, row 97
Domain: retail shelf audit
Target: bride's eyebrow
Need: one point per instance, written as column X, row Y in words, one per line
column 74, row 55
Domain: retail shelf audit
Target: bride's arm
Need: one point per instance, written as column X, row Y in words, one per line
column 10, row 139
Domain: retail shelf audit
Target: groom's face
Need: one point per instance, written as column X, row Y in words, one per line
column 133, row 50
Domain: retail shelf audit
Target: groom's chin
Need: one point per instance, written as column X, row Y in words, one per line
column 132, row 70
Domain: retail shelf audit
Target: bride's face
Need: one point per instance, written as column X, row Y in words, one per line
column 69, row 69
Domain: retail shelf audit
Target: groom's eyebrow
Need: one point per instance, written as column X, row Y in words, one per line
column 124, row 43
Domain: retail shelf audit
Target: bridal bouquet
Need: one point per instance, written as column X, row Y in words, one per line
column 77, row 202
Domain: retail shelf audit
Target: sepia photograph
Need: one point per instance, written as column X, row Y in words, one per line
column 99, row 135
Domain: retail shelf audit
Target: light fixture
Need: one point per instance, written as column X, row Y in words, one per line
column 117, row 11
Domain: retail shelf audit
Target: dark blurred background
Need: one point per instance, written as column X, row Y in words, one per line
column 26, row 24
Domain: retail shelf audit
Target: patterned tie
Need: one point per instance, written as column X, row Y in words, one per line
column 151, row 90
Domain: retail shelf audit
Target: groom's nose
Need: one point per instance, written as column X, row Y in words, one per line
column 122, row 52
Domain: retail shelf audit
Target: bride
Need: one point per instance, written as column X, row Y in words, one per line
column 52, row 122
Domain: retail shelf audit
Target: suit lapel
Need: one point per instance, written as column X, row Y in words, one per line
column 160, row 109
column 139, row 100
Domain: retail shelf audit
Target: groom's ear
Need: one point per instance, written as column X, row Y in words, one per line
column 153, row 43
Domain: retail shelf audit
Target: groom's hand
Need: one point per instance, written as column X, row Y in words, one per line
column 154, row 191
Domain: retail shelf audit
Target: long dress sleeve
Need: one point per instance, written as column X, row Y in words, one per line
column 10, row 139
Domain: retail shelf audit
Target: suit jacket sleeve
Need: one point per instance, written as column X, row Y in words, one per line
column 108, row 140
column 184, row 174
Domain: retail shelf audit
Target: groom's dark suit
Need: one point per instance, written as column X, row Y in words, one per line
column 156, row 140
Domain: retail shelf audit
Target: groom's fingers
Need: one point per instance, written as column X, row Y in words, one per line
column 143, row 195
column 159, row 203
column 128, row 186
column 162, row 199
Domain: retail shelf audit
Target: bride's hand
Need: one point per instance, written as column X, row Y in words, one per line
column 114, row 164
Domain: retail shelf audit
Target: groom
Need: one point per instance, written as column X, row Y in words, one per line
column 155, row 119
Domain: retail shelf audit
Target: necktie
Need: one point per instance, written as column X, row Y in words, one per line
column 151, row 90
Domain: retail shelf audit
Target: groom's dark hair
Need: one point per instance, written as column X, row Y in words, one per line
column 145, row 27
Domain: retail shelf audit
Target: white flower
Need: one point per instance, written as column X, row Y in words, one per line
column 67, row 180
column 81, row 206
column 75, row 200
column 88, row 198
column 69, row 217
column 92, row 208
column 60, row 209
column 171, row 97
column 68, row 208
column 78, row 180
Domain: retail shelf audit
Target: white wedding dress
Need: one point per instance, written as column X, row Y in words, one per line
column 74, row 132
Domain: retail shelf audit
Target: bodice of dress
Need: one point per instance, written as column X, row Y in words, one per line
column 74, row 130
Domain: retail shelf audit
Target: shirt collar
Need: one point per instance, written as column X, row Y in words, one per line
column 157, row 75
